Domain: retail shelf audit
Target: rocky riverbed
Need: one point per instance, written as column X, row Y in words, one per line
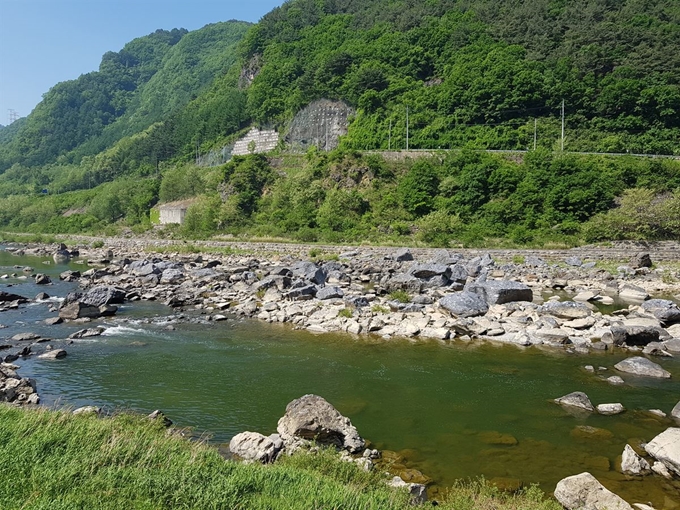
column 560, row 301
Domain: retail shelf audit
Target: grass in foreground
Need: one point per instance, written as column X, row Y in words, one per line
column 54, row 460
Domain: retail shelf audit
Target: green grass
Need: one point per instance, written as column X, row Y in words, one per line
column 401, row 296
column 54, row 460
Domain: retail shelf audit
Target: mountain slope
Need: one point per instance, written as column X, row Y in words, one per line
column 150, row 77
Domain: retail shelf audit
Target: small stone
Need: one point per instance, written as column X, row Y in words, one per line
column 610, row 409
column 576, row 399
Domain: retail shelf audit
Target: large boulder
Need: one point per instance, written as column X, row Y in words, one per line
column 312, row 418
column 309, row 271
column 566, row 309
column 584, row 492
column 78, row 310
column 143, row 268
column 634, row 293
column 429, row 270
column 464, row 304
column 329, row 292
column 103, row 295
column 576, row 399
column 640, row 259
column 254, row 446
column 404, row 282
column 638, row 365
column 663, row 309
column 634, row 335
column 666, row 449
column 498, row 292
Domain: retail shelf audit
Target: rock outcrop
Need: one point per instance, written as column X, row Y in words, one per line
column 666, row 449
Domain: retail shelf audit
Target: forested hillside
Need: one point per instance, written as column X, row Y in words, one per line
column 468, row 75
column 148, row 79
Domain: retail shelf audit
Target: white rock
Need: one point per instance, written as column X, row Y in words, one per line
column 666, row 448
column 584, row 492
column 632, row 463
column 610, row 409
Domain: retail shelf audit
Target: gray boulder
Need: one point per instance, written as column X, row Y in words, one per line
column 172, row 275
column 301, row 293
column 464, row 304
column 309, row 271
column 254, row 446
column 42, row 279
column 103, row 295
column 53, row 354
column 69, row 276
column 666, row 449
column 404, row 282
column 638, row 365
column 79, row 310
column 663, row 309
column 633, row 464
column 430, row 270
column 311, row 418
column 329, row 292
column 498, row 292
column 402, row 255
column 143, row 268
column 566, row 309
column 459, row 273
column 640, row 259
column 9, row 297
column 634, row 335
column 576, row 399
column 573, row 261
column 634, row 293
column 584, row 492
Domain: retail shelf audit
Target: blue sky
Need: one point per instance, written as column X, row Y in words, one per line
column 43, row 42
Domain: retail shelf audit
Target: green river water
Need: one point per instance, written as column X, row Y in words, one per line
column 451, row 410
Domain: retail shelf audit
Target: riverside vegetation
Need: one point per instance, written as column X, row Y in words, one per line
column 66, row 461
column 475, row 75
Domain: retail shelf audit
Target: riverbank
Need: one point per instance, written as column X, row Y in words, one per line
column 57, row 460
column 575, row 300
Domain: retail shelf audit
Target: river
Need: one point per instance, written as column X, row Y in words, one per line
column 452, row 410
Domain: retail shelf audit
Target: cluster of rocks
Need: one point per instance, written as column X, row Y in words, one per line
column 16, row 389
column 308, row 423
column 585, row 492
column 395, row 296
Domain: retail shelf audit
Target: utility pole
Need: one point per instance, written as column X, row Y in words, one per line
column 389, row 137
column 535, row 133
column 407, row 128
column 562, row 145
column 12, row 115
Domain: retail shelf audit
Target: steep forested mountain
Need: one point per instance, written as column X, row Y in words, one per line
column 149, row 78
column 467, row 74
